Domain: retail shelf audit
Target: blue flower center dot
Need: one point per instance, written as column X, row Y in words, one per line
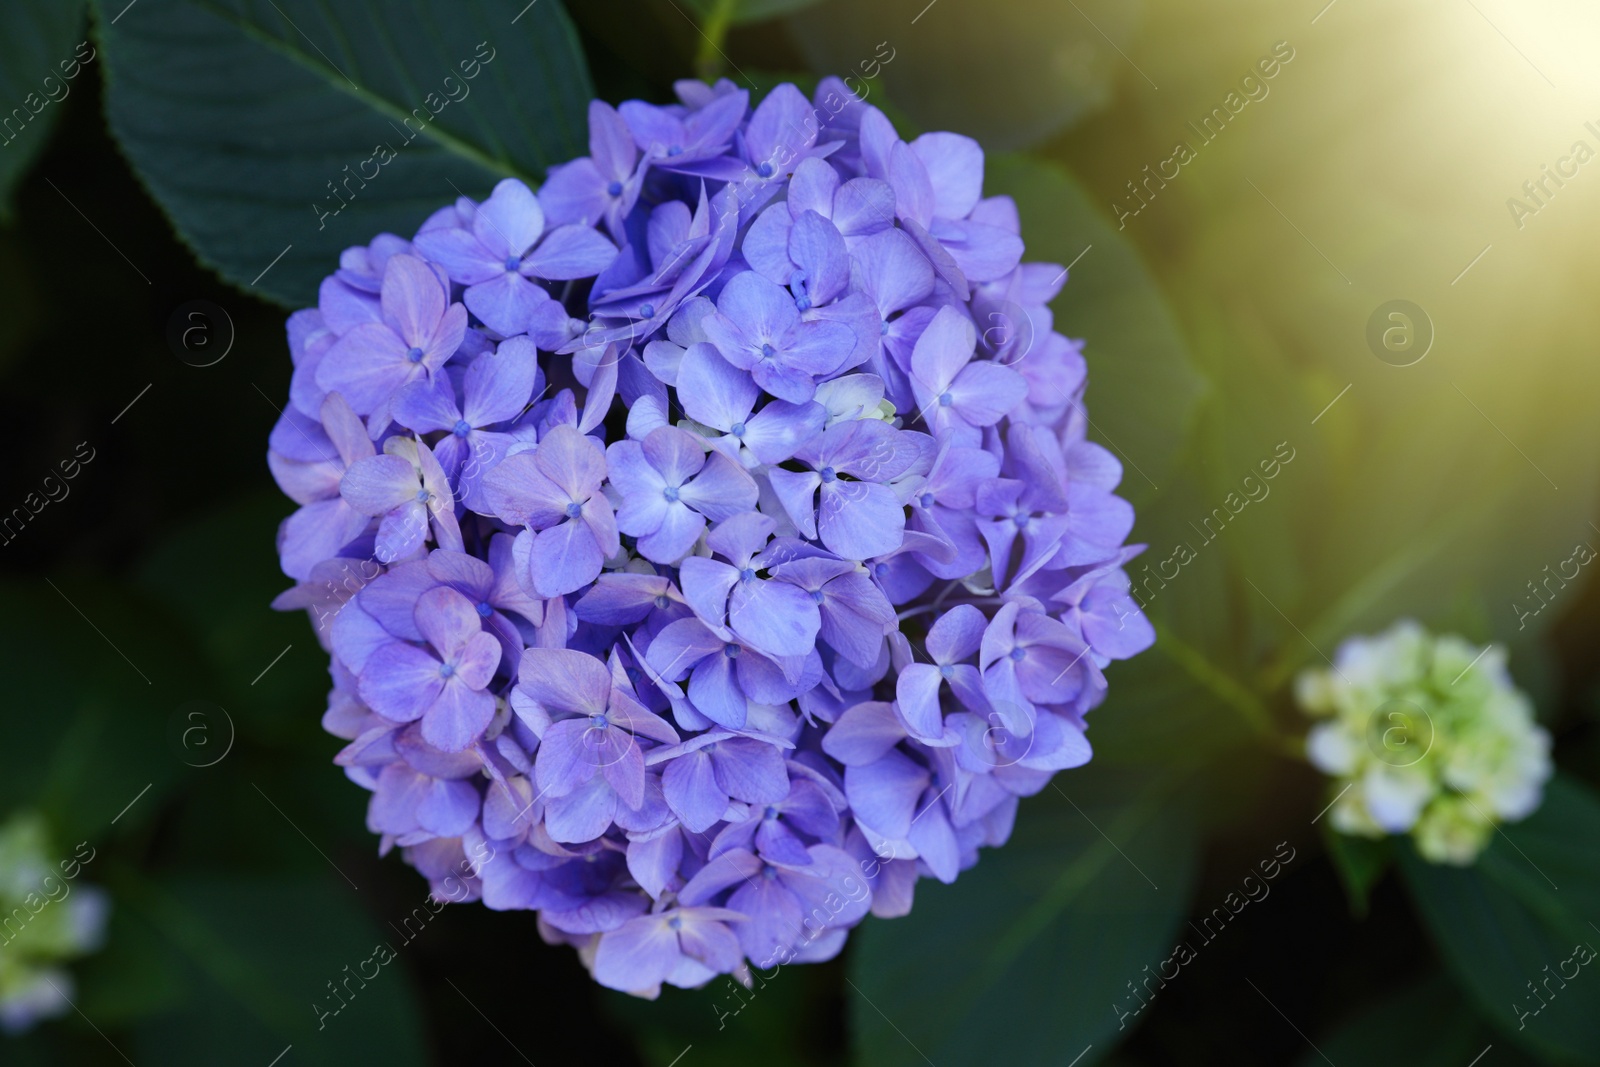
column 769, row 873
column 946, row 671
column 770, row 813
column 748, row 574
column 767, row 351
column 598, row 722
column 675, row 150
column 446, row 670
column 730, row 650
column 816, row 594
column 670, row 492
column 574, row 510
column 880, row 569
column 945, row 399
column 485, row 609
column 1021, row 521
column 828, row 474
column 414, row 355
column 737, row 429
column 422, row 496
column 765, row 170
column 461, row 428
column 884, row 329
column 802, row 301
column 615, row 188
column 662, row 602
column 1019, row 654
column 647, row 311
column 513, row 262
column 926, row 500
column 676, row 922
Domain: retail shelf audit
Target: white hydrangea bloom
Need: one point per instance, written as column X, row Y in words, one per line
column 1424, row 735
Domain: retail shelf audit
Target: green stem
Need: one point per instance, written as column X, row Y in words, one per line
column 708, row 62
column 1226, row 689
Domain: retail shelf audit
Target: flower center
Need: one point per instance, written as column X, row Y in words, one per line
column 765, row 170
column 1019, row 654
column 422, row 496
column 730, row 650
column 946, row 671
column 485, row 609
column 945, row 399
column 767, row 351
column 670, row 492
column 737, row 429
column 828, row 474
column 647, row 311
column 414, row 355
column 513, row 262
column 574, row 510
column 926, row 500
column 675, row 150
column 598, row 722
column 816, row 594
column 770, row 813
column 446, row 670
column 461, row 428
column 676, row 922
column 615, row 188
column 662, row 602
column 747, row 575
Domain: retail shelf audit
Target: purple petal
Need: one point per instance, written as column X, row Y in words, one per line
column 400, row 681
column 883, row 795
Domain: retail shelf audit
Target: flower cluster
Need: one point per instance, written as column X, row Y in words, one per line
column 44, row 922
column 1425, row 735
column 708, row 544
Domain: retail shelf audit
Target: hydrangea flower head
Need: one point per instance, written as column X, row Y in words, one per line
column 45, row 920
column 1425, row 735
column 694, row 573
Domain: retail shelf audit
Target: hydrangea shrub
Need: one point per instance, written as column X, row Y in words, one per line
column 708, row 544
column 1425, row 735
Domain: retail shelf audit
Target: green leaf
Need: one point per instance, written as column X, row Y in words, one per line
column 1024, row 958
column 38, row 50
column 259, row 957
column 1360, row 863
column 244, row 116
column 1428, row 1024
column 1142, row 386
column 1514, row 919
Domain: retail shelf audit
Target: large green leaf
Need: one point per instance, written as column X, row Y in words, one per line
column 1142, row 386
column 38, row 50
column 1531, row 897
column 1022, row 960
column 1424, row 1025
column 259, row 957
column 245, row 116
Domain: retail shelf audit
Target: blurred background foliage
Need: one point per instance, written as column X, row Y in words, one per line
column 1223, row 319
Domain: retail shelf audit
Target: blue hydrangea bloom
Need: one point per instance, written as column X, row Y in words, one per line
column 700, row 562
